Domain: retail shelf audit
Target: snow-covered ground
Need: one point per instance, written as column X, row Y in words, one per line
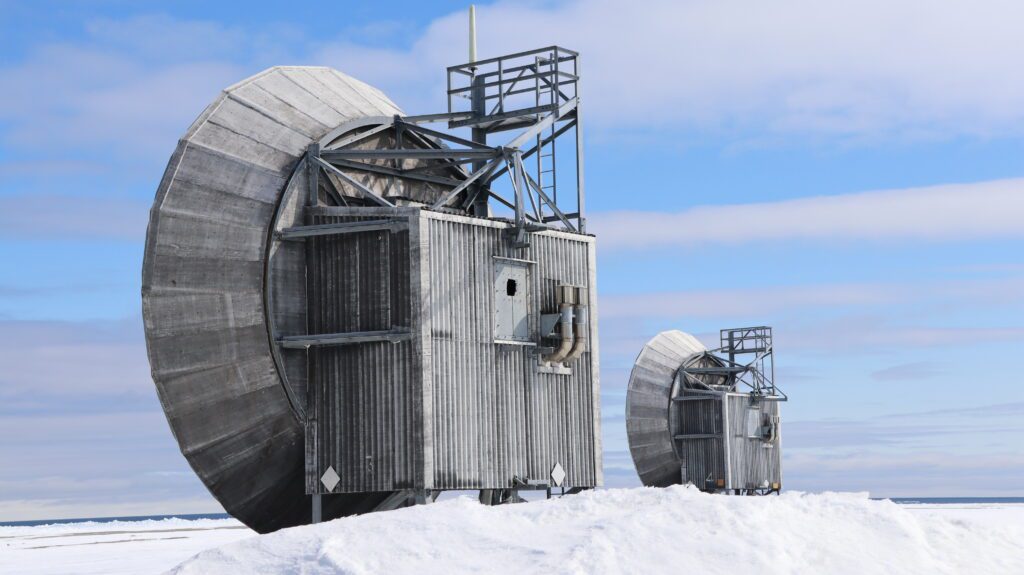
column 606, row 531
column 112, row 548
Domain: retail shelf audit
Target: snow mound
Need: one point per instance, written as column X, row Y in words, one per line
column 643, row 530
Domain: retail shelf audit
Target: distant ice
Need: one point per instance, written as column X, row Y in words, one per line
column 112, row 547
column 643, row 531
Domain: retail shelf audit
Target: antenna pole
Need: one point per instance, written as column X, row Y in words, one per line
column 472, row 33
column 479, row 107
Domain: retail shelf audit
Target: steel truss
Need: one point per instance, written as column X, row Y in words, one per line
column 535, row 93
column 719, row 370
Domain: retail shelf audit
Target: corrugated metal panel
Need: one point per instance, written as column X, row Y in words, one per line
column 504, row 418
column 365, row 392
column 752, row 461
column 485, row 414
column 702, row 458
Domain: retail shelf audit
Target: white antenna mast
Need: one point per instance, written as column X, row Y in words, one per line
column 472, row 33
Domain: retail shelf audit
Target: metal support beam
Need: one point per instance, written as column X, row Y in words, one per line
column 724, row 370
column 396, row 500
column 302, row 232
column 449, row 137
column 441, row 180
column 476, row 175
column 519, row 187
column 543, row 124
column 533, row 150
column 554, row 207
column 445, row 164
column 410, row 154
column 498, row 118
column 312, row 175
column 478, row 98
column 306, row 341
column 430, row 118
column 580, row 195
column 366, row 192
column 362, row 136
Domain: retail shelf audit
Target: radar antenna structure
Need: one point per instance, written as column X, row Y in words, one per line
column 534, row 95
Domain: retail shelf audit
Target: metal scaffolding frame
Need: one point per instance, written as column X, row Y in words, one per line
column 535, row 93
column 720, row 369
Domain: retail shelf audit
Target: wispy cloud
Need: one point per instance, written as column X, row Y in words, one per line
column 954, row 212
column 738, row 302
column 876, row 335
column 64, row 217
column 874, row 68
column 907, row 371
column 128, row 89
column 95, row 465
column 56, row 366
column 948, row 452
column 921, row 473
column 792, row 67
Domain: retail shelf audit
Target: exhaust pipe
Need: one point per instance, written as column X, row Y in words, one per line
column 565, row 305
column 579, row 324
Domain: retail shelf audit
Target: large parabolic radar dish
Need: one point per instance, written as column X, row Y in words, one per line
column 339, row 316
column 209, row 275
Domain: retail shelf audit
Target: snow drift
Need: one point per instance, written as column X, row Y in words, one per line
column 643, row 530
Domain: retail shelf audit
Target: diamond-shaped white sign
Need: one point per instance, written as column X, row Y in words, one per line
column 330, row 478
column 557, row 474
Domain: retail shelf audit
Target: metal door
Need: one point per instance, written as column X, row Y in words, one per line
column 511, row 302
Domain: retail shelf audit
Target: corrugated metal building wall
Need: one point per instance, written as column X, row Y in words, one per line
column 751, row 460
column 703, row 458
column 722, row 442
column 364, row 393
column 448, row 408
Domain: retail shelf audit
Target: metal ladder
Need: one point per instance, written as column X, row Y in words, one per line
column 546, row 94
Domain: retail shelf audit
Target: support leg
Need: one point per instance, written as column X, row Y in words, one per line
column 317, row 512
column 490, row 496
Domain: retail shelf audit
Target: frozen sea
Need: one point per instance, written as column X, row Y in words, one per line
column 619, row 530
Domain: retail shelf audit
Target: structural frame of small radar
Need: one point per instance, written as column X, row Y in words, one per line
column 707, row 417
column 341, row 319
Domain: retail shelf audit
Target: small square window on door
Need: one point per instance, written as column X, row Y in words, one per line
column 511, row 300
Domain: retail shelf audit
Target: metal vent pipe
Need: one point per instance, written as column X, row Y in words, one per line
column 566, row 299
column 580, row 312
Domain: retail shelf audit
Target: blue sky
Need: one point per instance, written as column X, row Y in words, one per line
column 872, row 154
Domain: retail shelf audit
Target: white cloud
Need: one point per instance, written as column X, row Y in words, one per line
column 131, row 88
column 983, row 210
column 745, row 301
column 882, row 336
column 793, row 67
column 811, row 320
column 866, row 69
